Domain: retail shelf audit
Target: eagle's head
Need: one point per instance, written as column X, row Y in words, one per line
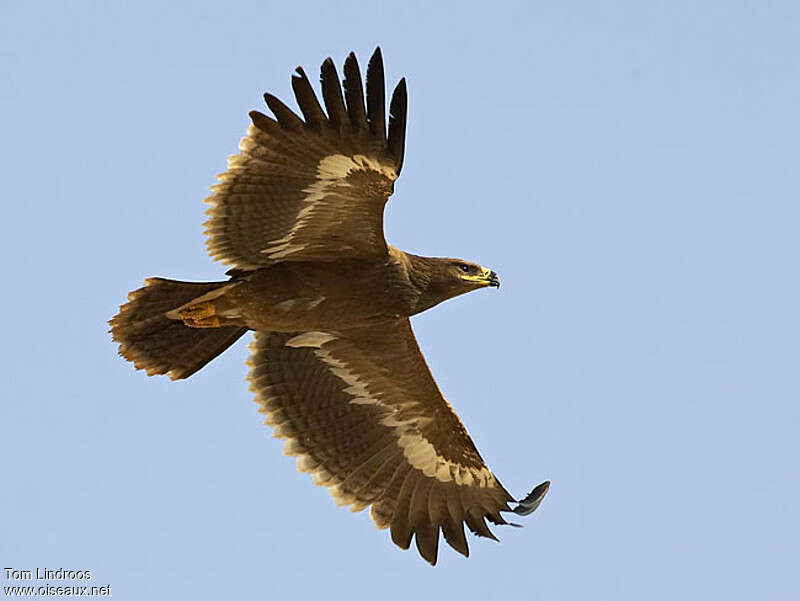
column 439, row 279
column 466, row 276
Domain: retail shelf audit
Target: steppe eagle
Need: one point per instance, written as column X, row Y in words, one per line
column 335, row 365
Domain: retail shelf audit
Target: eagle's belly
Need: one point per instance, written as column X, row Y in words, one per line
column 292, row 297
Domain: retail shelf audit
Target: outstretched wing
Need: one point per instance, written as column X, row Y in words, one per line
column 363, row 414
column 312, row 188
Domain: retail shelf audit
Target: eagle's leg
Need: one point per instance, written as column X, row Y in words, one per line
column 201, row 315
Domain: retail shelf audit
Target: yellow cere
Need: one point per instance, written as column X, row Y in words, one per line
column 483, row 278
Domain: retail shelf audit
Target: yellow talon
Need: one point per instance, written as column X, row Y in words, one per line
column 201, row 315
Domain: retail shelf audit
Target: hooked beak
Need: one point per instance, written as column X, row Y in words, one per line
column 487, row 277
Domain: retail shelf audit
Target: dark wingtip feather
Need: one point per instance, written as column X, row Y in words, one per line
column 531, row 502
column 261, row 121
column 354, row 92
column 398, row 110
column 401, row 528
column 285, row 116
column 426, row 535
column 332, row 93
column 477, row 524
column 307, row 99
column 453, row 527
column 453, row 531
column 376, row 95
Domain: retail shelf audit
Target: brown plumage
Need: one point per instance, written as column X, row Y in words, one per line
column 335, row 365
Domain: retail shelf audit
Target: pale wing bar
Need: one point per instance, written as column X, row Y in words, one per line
column 377, row 437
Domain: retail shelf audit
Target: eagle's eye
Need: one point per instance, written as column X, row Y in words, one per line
column 464, row 268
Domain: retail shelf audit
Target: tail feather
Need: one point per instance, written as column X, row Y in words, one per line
column 161, row 345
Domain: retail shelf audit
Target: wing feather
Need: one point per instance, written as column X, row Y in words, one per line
column 354, row 93
column 476, row 522
column 376, row 490
column 398, row 110
column 401, row 529
column 376, row 96
column 426, row 533
column 332, row 94
column 437, row 503
column 285, row 116
column 363, row 484
column 383, row 510
column 307, row 99
column 454, row 529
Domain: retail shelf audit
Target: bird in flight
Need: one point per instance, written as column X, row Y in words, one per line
column 335, row 365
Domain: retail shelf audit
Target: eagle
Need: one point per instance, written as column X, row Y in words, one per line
column 334, row 365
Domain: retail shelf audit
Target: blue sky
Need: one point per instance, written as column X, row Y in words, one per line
column 629, row 169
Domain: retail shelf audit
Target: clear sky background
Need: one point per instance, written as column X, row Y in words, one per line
column 630, row 169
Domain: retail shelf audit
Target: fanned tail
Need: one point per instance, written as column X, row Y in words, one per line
column 160, row 345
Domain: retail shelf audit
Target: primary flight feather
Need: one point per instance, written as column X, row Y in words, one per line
column 335, row 365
